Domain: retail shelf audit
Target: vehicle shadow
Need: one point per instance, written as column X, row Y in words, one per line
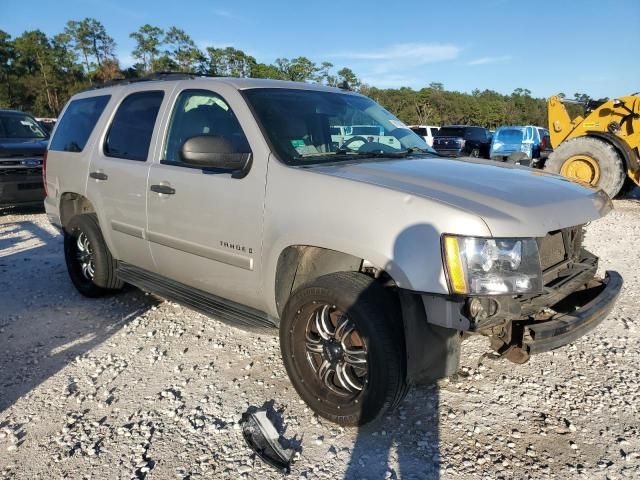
column 406, row 443
column 22, row 210
column 44, row 322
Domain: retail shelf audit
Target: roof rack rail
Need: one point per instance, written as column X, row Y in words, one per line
column 154, row 76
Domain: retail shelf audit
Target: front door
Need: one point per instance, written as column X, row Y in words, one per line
column 204, row 227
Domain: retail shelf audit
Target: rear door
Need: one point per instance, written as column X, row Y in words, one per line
column 117, row 182
column 207, row 232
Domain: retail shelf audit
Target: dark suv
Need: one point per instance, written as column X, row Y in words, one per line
column 462, row 141
column 22, row 146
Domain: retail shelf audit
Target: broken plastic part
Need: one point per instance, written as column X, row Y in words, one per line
column 263, row 438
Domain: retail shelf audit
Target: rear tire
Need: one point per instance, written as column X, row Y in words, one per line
column 611, row 173
column 91, row 266
column 372, row 316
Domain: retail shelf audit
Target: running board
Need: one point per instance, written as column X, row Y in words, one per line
column 219, row 308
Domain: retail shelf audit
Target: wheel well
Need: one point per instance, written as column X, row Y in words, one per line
column 300, row 264
column 72, row 204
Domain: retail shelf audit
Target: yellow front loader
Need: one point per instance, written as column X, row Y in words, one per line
column 602, row 148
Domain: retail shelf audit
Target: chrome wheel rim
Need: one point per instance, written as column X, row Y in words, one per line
column 335, row 350
column 85, row 256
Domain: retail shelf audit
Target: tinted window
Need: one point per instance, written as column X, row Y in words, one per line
column 201, row 112
column 420, row 131
column 130, row 132
column 434, row 131
column 77, row 123
column 450, row 132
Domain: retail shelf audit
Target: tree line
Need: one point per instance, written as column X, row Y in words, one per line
column 38, row 74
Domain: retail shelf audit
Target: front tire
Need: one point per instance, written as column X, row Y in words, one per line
column 342, row 345
column 589, row 160
column 91, row 266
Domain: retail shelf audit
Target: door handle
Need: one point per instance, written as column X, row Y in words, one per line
column 164, row 189
column 99, row 175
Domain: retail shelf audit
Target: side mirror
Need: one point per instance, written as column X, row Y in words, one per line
column 215, row 155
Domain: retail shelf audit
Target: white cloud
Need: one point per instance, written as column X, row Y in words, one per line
column 416, row 53
column 488, row 60
column 226, row 14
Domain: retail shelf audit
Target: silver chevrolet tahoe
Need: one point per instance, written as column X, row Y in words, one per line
column 373, row 256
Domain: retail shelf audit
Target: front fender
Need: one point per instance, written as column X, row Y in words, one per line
column 395, row 231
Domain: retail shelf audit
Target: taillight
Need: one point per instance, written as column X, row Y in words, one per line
column 44, row 171
column 543, row 143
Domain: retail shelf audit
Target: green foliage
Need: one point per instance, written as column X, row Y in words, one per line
column 230, row 62
column 148, row 41
column 436, row 106
column 38, row 74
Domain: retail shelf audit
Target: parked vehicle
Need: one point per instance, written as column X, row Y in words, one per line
column 47, row 124
column 427, row 132
column 530, row 141
column 462, row 140
column 601, row 148
column 229, row 196
column 22, row 146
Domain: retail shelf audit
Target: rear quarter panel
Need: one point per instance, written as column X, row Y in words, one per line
column 67, row 172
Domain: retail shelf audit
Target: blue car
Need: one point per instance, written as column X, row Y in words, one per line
column 519, row 143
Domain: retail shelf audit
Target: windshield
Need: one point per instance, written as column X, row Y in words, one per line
column 510, row 135
column 306, row 126
column 19, row 125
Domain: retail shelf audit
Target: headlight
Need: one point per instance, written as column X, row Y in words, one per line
column 492, row 266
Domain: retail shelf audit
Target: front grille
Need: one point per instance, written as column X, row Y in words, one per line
column 559, row 246
column 21, row 171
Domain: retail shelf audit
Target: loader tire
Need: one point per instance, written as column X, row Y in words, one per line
column 589, row 160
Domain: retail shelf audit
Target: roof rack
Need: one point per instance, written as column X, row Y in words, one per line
column 155, row 76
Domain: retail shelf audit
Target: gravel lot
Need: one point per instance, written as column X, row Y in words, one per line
column 131, row 386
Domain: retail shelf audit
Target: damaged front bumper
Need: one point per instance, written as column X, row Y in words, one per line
column 562, row 329
column 573, row 303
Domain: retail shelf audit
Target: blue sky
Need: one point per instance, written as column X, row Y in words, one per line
column 548, row 47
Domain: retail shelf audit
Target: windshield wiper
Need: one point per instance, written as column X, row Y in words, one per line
column 346, row 153
column 381, row 153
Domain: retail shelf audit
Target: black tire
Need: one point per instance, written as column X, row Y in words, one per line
column 377, row 325
column 612, row 172
column 103, row 279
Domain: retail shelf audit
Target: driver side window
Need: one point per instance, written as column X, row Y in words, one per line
column 201, row 112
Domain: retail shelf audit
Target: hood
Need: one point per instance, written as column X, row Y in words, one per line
column 513, row 201
column 22, row 147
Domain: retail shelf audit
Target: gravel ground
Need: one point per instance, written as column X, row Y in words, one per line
column 131, row 386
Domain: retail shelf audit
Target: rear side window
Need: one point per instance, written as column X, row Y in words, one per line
column 132, row 126
column 77, row 123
